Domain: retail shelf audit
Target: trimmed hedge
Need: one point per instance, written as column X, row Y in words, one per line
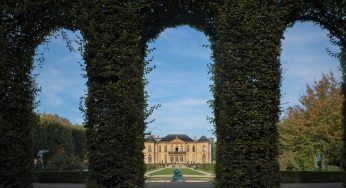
column 285, row 177
column 310, row 177
column 245, row 37
column 60, row 177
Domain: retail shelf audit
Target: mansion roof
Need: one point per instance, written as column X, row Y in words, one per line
column 171, row 137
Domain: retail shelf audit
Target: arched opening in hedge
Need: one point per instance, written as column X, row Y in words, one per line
column 59, row 75
column 180, row 82
column 179, row 86
column 313, row 114
column 246, row 45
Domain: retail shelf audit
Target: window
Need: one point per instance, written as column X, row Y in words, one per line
column 204, row 148
column 204, row 159
column 193, row 148
column 165, row 148
column 159, row 148
column 181, row 158
column 181, row 148
column 172, row 159
column 172, row 149
column 149, row 148
column 188, row 148
column 149, row 158
column 176, row 149
column 176, row 158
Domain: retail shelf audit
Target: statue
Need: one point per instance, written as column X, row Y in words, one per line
column 319, row 159
column 40, row 158
column 177, row 176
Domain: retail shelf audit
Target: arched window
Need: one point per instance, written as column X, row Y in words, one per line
column 149, row 148
column 176, row 148
column 204, row 149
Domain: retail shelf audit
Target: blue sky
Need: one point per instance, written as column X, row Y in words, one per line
column 180, row 82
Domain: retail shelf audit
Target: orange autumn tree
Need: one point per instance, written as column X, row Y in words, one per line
column 315, row 124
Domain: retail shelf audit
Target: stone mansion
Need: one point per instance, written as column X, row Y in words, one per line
column 178, row 149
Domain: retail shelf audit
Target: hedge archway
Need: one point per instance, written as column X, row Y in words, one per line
column 245, row 39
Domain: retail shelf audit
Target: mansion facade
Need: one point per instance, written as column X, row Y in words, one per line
column 178, row 149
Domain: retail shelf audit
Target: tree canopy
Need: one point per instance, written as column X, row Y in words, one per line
column 315, row 124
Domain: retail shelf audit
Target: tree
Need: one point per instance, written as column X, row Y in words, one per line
column 63, row 140
column 314, row 124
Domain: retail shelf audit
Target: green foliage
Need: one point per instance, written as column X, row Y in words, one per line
column 65, row 142
column 206, row 167
column 55, row 133
column 310, row 177
column 314, row 125
column 60, row 177
column 63, row 162
column 245, row 38
column 247, row 94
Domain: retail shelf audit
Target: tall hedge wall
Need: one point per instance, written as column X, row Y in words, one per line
column 23, row 26
column 115, row 102
column 247, row 94
column 245, row 37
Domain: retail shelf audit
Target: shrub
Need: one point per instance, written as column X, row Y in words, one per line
column 60, row 177
column 63, row 162
column 310, row 177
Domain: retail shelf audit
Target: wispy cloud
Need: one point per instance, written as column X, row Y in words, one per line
column 304, row 59
column 60, row 80
column 186, row 115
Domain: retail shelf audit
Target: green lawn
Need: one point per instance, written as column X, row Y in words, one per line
column 207, row 171
column 151, row 170
column 170, row 171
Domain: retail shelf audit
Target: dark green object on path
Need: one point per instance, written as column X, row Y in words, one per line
column 177, row 176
